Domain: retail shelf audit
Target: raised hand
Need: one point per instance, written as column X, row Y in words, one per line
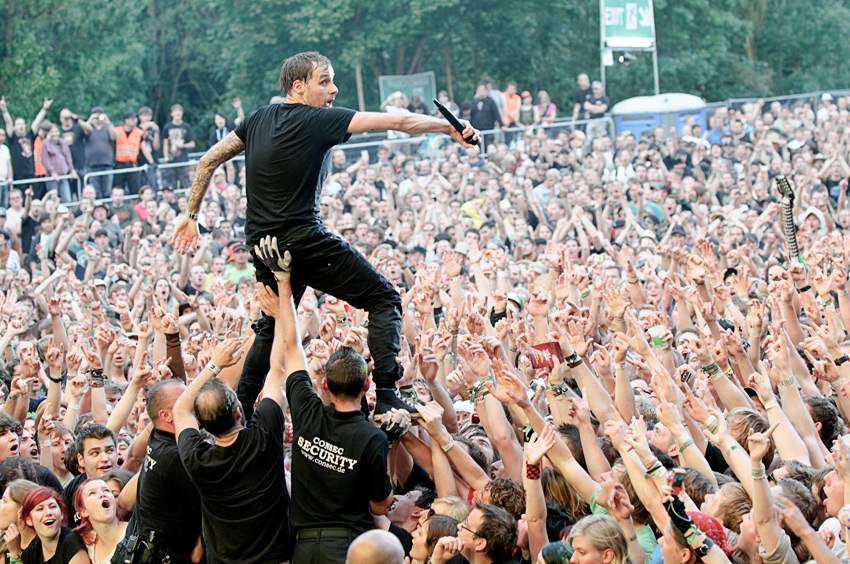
column 619, row 505
column 227, row 353
column 55, row 356
column 269, row 301
column 759, row 443
column 537, row 446
column 451, row 265
column 432, row 419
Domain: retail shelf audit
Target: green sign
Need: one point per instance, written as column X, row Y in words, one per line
column 628, row 23
column 423, row 84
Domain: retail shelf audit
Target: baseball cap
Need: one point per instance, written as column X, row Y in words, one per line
column 100, row 232
column 514, row 297
column 596, row 84
column 678, row 230
column 129, row 114
column 713, row 529
column 2, row 211
column 97, row 110
column 462, row 247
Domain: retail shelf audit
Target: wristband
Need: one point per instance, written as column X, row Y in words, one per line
column 213, row 368
column 532, row 471
column 788, row 381
column 684, row 447
column 841, row 360
column 712, row 428
column 805, row 288
column 447, row 447
column 759, row 473
column 44, row 444
column 73, row 406
column 731, row 449
column 771, row 404
column 192, row 216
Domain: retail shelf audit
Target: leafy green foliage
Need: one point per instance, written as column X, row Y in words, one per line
column 122, row 54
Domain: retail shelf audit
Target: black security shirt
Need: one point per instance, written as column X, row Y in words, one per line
column 339, row 462
column 287, row 156
column 245, row 505
column 167, row 501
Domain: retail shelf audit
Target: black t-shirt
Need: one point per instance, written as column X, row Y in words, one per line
column 287, row 156
column 244, row 501
column 167, row 501
column 596, row 101
column 581, row 96
column 21, row 149
column 403, row 536
column 339, row 462
column 76, row 140
column 68, row 547
column 485, row 114
column 182, row 133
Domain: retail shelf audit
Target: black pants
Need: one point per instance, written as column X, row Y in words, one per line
column 322, row 546
column 129, row 181
column 329, row 264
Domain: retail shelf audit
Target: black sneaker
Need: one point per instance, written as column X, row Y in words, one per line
column 389, row 398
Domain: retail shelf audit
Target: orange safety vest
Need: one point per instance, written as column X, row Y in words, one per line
column 36, row 155
column 511, row 107
column 127, row 145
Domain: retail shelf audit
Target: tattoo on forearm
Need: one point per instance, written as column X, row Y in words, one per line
column 221, row 152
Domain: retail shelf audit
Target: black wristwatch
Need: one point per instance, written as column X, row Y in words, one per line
column 703, row 549
column 192, row 216
column 841, row 360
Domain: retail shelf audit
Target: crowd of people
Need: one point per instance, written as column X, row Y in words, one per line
column 608, row 352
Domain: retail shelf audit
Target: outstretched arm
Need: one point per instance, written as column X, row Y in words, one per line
column 414, row 124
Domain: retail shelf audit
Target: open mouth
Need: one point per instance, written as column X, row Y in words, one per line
column 34, row 452
column 106, row 504
column 49, row 522
column 13, row 449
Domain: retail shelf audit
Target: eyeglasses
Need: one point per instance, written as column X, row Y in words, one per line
column 466, row 528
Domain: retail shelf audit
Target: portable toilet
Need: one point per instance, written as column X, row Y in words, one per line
column 643, row 113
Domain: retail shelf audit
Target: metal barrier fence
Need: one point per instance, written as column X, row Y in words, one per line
column 812, row 98
column 371, row 141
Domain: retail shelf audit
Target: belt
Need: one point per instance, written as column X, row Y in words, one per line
column 325, row 533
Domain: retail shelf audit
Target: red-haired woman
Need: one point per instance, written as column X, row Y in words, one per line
column 43, row 510
column 100, row 528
